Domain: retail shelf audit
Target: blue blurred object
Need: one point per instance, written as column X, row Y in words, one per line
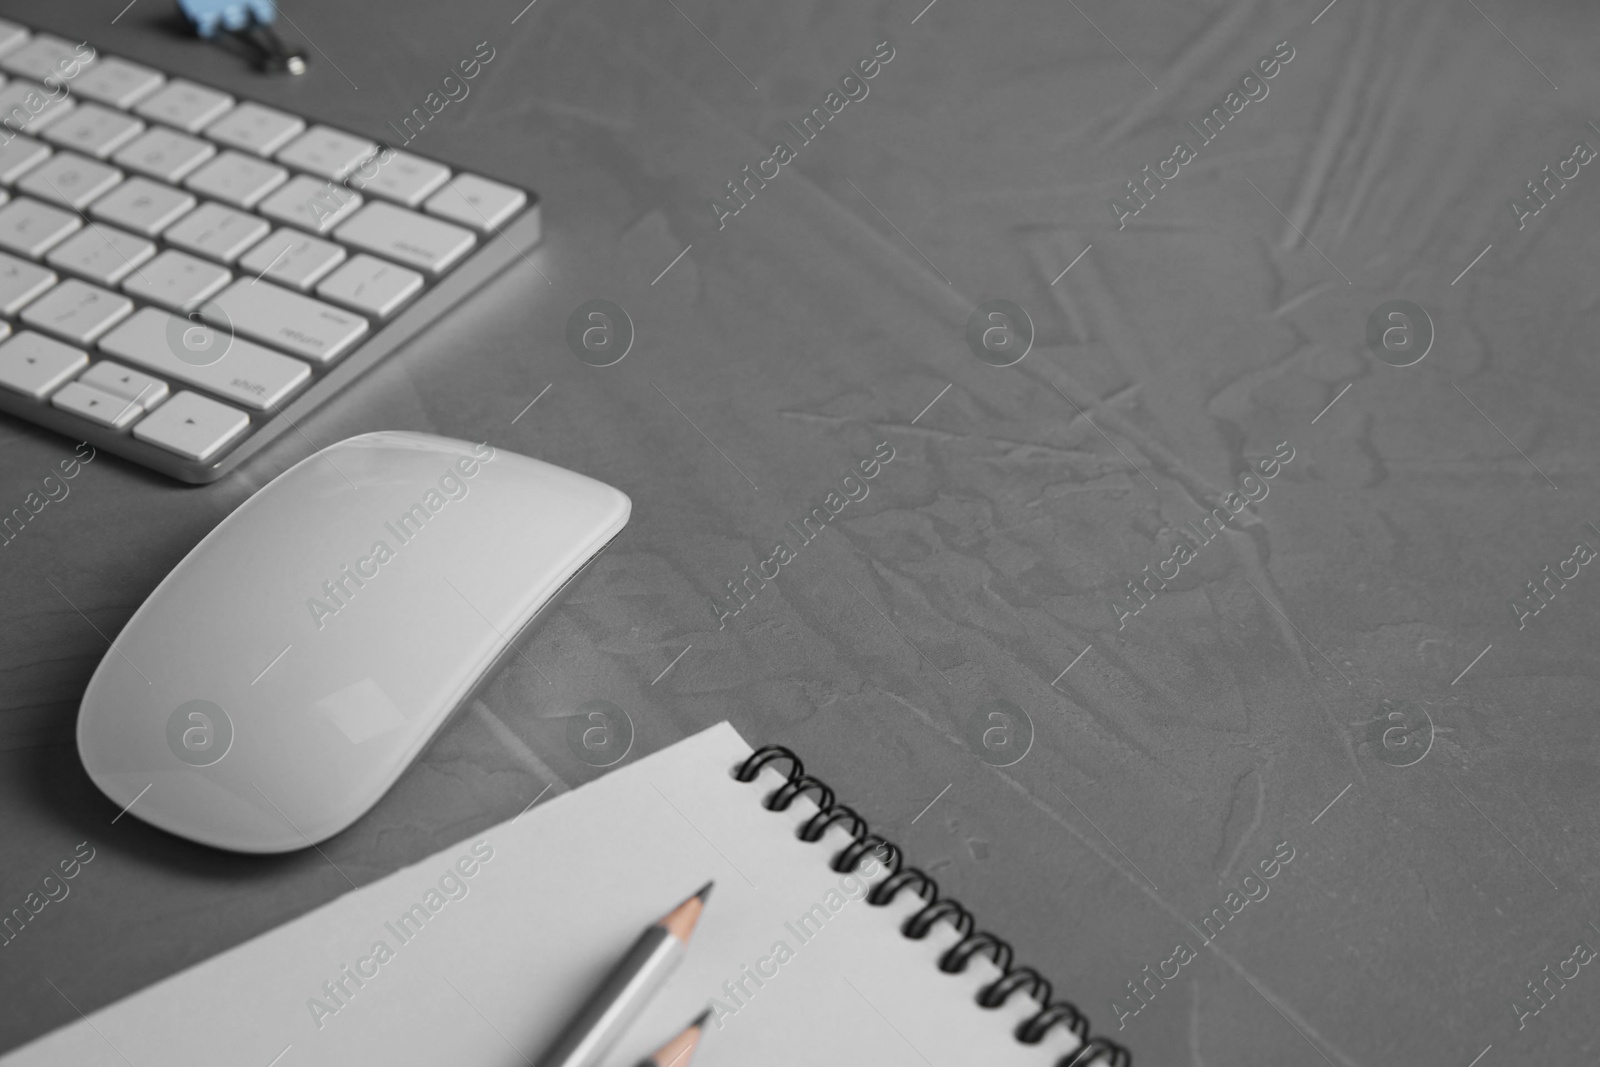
column 207, row 16
column 250, row 21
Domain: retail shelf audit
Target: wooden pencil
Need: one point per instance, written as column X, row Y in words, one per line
column 678, row 1051
column 628, row 988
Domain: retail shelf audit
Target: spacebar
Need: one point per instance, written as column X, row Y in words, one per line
column 245, row 373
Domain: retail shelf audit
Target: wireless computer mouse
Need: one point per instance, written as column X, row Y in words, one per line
column 281, row 678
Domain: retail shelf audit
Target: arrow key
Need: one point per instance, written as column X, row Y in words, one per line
column 33, row 365
column 193, row 426
column 96, row 405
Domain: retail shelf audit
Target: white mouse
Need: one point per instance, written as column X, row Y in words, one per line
column 280, row 679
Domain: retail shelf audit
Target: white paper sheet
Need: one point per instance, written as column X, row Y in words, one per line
column 487, row 969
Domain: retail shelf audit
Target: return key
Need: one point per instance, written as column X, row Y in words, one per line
column 286, row 320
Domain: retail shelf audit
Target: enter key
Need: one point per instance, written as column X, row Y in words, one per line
column 285, row 320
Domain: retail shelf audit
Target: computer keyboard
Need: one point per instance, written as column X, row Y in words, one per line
column 184, row 275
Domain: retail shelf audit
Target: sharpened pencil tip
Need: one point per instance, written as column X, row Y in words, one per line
column 682, row 919
column 676, row 1053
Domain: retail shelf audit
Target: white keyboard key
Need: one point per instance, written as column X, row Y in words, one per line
column 117, row 82
column 32, row 364
column 405, row 179
column 30, row 228
column 176, row 280
column 143, row 206
column 164, row 154
column 406, row 237
column 94, row 130
column 48, row 58
column 193, row 426
column 11, row 35
column 311, row 204
column 29, row 108
column 101, row 254
column 68, row 178
column 217, row 232
column 255, row 129
column 292, row 258
column 124, row 382
column 476, row 202
column 326, row 152
column 20, row 155
column 184, row 104
column 371, row 286
column 237, row 179
column 246, row 373
column 297, row 324
column 77, row 311
column 20, row 282
column 96, row 406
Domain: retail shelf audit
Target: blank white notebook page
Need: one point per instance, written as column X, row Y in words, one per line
column 477, row 956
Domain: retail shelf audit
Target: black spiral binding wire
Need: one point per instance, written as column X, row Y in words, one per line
column 1032, row 1029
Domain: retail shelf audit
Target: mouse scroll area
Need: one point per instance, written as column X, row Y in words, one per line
column 288, row 670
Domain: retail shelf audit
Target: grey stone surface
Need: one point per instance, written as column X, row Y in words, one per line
column 1288, row 665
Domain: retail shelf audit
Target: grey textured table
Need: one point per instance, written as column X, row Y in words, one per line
column 1341, row 674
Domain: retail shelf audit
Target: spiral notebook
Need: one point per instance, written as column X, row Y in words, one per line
column 477, row 955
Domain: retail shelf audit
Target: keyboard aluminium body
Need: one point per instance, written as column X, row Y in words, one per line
column 148, row 223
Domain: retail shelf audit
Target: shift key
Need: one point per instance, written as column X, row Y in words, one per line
column 244, row 372
column 297, row 324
